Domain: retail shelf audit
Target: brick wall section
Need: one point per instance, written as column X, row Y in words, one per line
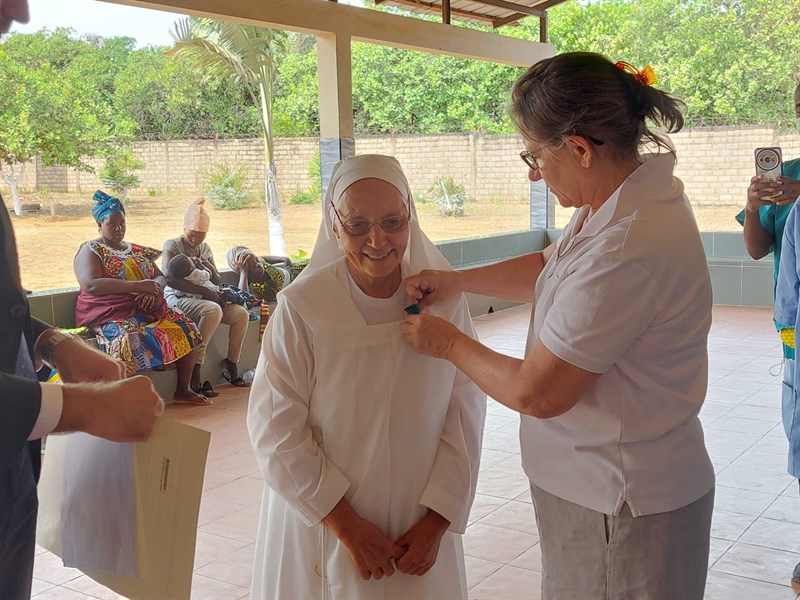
column 715, row 163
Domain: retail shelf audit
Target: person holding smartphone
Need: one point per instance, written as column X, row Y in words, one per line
column 768, row 205
column 787, row 306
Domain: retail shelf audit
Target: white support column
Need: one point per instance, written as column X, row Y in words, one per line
column 543, row 206
column 336, row 139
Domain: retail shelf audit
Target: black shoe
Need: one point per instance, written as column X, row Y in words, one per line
column 206, row 390
column 796, row 574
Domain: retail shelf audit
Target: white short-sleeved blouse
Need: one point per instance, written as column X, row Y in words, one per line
column 627, row 293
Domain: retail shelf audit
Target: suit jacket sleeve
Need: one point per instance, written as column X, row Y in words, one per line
column 20, row 401
column 39, row 327
column 20, row 398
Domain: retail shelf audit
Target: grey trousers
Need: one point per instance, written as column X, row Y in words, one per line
column 588, row 555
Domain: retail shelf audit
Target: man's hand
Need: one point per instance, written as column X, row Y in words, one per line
column 421, row 544
column 120, row 411
column 430, row 287
column 430, row 335
column 77, row 362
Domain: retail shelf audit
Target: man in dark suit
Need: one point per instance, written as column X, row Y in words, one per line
column 95, row 397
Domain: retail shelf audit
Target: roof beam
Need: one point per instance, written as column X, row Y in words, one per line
column 430, row 7
column 318, row 17
column 520, row 8
column 506, row 20
column 547, row 4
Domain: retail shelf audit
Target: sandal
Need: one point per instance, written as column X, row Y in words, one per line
column 238, row 382
column 199, row 400
column 206, row 390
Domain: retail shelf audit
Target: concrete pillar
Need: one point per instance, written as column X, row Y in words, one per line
column 336, row 139
column 543, row 206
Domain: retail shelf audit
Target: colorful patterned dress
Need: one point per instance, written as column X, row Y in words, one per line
column 276, row 279
column 142, row 346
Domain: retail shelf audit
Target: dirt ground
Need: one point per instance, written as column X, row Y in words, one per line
column 48, row 244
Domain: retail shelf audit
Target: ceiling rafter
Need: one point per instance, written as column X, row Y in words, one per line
column 436, row 9
column 520, row 8
column 491, row 11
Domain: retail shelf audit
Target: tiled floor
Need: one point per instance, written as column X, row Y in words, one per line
column 756, row 529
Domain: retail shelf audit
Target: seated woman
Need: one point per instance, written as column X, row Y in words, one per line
column 207, row 308
column 121, row 299
column 264, row 276
column 183, row 267
column 369, row 451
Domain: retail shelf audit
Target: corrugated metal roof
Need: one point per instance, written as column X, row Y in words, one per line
column 489, row 12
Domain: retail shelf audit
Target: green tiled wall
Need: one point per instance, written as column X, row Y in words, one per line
column 472, row 251
column 736, row 278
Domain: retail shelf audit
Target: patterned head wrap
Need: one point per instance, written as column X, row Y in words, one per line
column 196, row 217
column 105, row 205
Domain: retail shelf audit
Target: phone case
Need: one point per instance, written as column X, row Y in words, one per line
column 768, row 162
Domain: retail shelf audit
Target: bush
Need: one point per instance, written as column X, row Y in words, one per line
column 449, row 197
column 227, row 188
column 118, row 172
column 314, row 194
column 301, row 197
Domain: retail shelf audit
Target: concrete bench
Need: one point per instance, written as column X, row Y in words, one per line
column 58, row 307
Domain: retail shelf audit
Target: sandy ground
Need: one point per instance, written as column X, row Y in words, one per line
column 48, row 244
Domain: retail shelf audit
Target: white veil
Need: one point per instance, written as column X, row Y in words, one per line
column 420, row 253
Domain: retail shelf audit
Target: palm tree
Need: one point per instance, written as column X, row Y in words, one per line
column 248, row 56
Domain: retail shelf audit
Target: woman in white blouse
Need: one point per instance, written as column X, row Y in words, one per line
column 369, row 450
column 616, row 365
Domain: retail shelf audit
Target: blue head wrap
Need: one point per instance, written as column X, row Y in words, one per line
column 105, row 205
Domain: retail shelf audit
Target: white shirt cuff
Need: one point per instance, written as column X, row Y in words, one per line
column 49, row 412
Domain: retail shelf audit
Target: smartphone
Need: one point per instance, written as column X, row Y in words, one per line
column 769, row 163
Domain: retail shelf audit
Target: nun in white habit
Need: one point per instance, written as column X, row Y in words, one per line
column 369, row 450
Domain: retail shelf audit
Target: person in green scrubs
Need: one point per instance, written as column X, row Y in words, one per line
column 764, row 220
column 764, row 215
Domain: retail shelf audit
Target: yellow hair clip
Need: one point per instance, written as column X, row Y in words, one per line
column 646, row 76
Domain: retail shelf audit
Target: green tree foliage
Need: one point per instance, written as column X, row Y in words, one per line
column 296, row 99
column 403, row 91
column 729, row 60
column 50, row 107
column 118, row 173
column 67, row 97
column 166, row 101
column 398, row 91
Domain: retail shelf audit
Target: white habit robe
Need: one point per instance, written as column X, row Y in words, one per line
column 339, row 409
